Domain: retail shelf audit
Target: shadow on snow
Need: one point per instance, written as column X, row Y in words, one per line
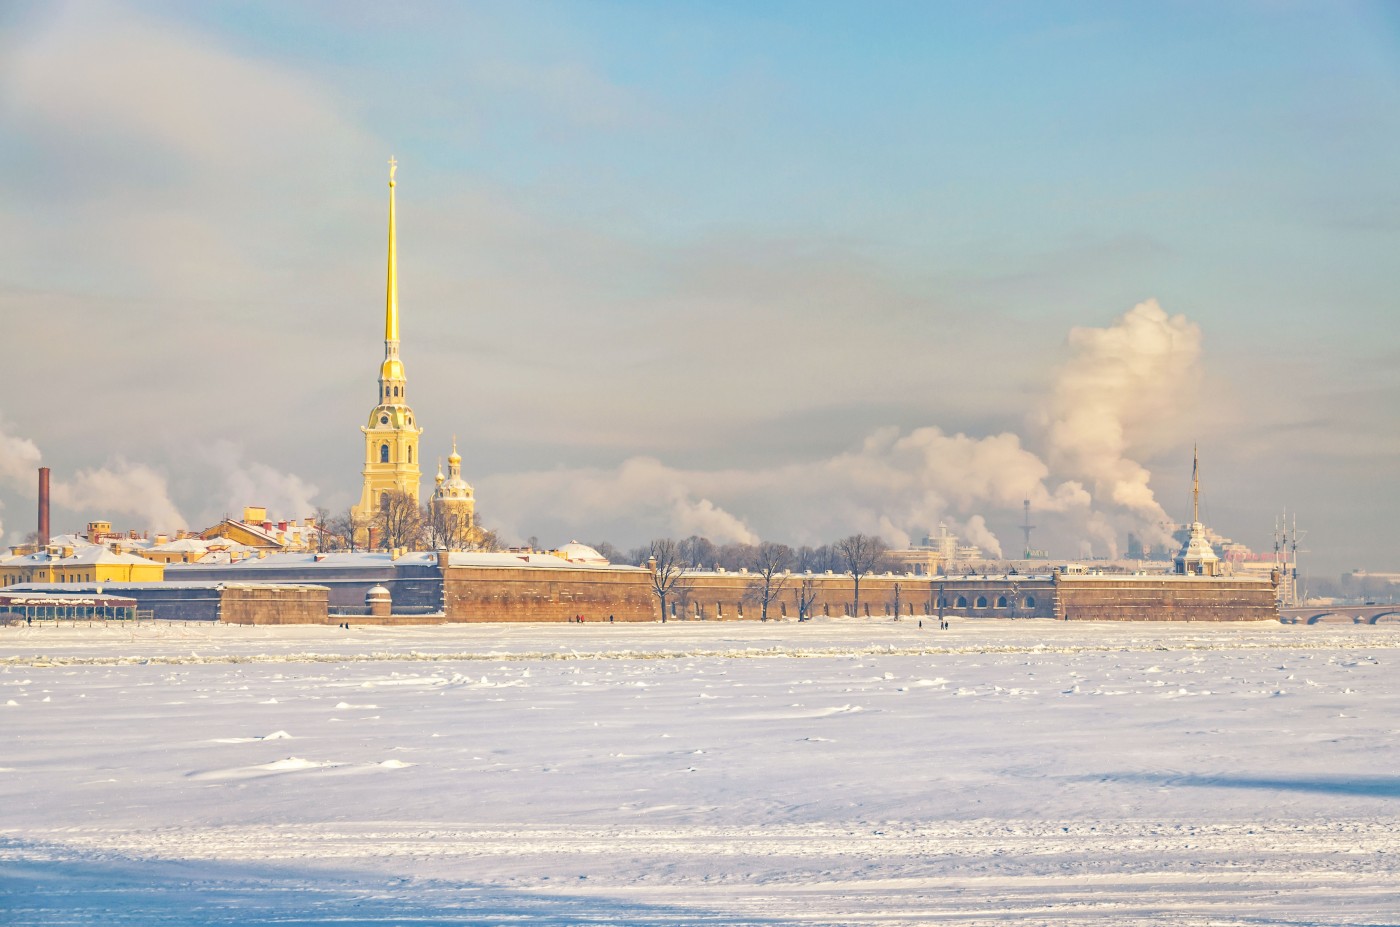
column 1356, row 786
column 197, row 893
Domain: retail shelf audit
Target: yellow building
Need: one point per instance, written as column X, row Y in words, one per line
column 258, row 533
column 454, row 505
column 88, row 564
column 391, row 437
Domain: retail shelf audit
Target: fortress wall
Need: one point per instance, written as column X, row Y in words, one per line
column 1146, row 598
column 478, row 593
column 265, row 604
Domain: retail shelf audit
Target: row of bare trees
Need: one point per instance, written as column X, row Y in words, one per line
column 770, row 564
column 402, row 522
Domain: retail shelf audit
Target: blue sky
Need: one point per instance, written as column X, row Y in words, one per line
column 702, row 267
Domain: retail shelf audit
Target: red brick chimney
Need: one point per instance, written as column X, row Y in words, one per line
column 43, row 506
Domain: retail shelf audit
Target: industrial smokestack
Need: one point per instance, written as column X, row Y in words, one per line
column 43, row 506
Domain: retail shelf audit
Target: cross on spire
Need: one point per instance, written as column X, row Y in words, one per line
column 393, row 166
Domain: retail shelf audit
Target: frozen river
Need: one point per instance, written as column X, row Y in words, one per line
column 842, row 772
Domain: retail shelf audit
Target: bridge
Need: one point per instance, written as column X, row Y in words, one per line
column 1370, row 613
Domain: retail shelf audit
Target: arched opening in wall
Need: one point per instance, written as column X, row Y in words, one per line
column 410, row 455
column 981, row 602
column 1030, row 601
column 719, row 609
column 782, row 609
column 867, row 609
column 383, row 453
column 887, row 609
column 1001, row 601
column 911, row 609
column 383, row 501
column 962, row 601
column 826, row 611
column 739, row 610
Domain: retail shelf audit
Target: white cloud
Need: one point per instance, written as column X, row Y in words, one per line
column 1123, row 382
column 121, row 488
column 242, row 482
column 1120, row 382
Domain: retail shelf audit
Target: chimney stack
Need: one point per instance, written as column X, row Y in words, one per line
column 43, row 506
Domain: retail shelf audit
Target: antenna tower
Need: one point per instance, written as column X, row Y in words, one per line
column 1026, row 528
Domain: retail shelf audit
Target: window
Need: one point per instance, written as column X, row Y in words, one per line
column 1001, row 601
column 410, row 455
column 383, row 453
column 962, row 601
column 981, row 602
column 1030, row 601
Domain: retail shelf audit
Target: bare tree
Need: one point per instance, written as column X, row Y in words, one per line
column 446, row 528
column 347, row 531
column 321, row 536
column 609, row 552
column 400, row 521
column 806, row 598
column 736, row 556
column 667, row 570
column 696, row 552
column 816, row 559
column 860, row 554
column 483, row 539
column 769, row 561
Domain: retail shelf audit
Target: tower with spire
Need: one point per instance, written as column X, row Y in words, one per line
column 391, row 436
column 1197, row 557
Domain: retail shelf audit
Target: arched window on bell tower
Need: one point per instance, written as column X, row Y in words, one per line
column 383, row 453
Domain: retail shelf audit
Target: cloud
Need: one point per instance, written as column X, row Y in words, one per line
column 895, row 484
column 121, row 488
column 99, row 73
column 1123, row 382
column 242, row 482
column 19, row 460
column 1119, row 383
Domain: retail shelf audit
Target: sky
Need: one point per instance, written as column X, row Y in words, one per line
column 780, row 271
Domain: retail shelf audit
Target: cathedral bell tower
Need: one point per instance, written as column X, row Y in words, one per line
column 391, row 437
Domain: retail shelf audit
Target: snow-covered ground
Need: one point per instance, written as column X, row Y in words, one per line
column 848, row 772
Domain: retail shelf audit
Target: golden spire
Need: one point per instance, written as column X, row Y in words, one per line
column 391, row 301
column 456, row 458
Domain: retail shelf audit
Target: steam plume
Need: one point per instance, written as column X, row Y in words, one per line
column 1121, row 381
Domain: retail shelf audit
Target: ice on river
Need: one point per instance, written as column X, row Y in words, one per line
column 834, row 772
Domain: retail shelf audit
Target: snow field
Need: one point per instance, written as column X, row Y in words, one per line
column 826, row 773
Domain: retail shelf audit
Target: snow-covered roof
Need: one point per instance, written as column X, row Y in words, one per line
column 575, row 552
column 510, row 559
column 181, row 546
column 307, row 560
